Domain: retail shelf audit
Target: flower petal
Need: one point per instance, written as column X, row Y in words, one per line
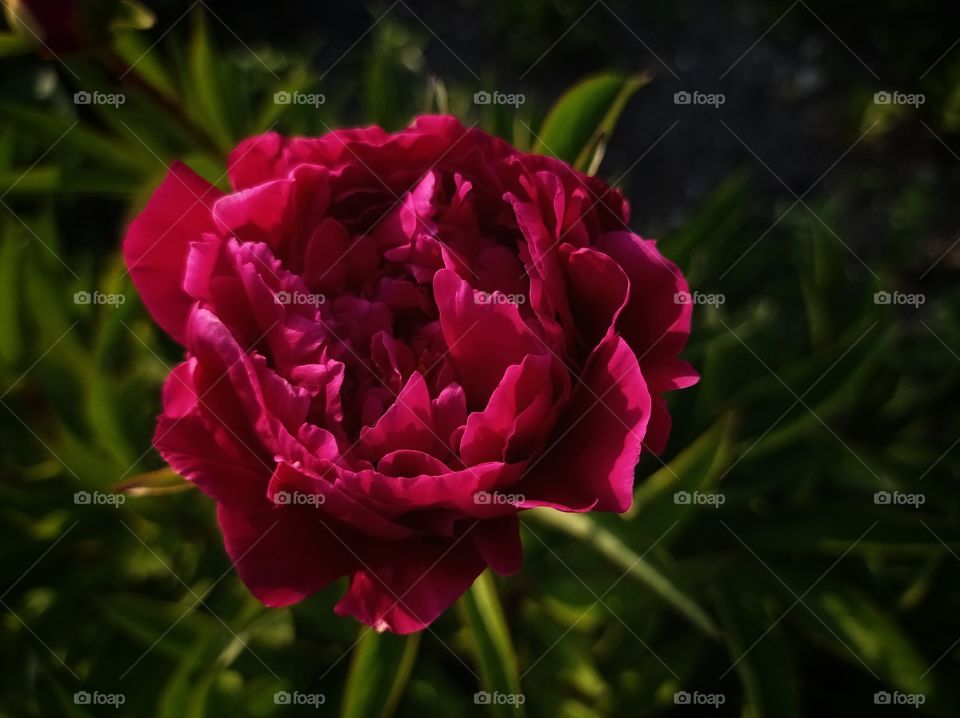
column 591, row 462
column 471, row 329
column 158, row 242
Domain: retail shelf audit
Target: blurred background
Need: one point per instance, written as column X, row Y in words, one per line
column 796, row 549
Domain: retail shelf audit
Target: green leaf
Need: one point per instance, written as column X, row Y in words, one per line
column 581, row 121
column 135, row 51
column 627, row 560
column 208, row 94
column 105, row 150
column 146, row 619
column 696, row 468
column 298, row 80
column 379, row 669
column 710, row 230
column 760, row 655
column 490, row 641
column 864, row 633
column 381, row 87
column 11, row 342
column 184, row 694
column 15, row 44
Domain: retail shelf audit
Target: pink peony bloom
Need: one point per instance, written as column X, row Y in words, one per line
column 394, row 344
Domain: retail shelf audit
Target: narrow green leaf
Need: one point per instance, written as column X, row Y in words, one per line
column 133, row 48
column 11, row 333
column 208, row 92
column 105, row 150
column 176, row 698
column 696, row 468
column 759, row 654
column 490, row 642
column 379, row 669
column 864, row 633
column 627, row 560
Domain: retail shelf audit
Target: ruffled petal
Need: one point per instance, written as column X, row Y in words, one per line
column 158, row 241
column 591, row 462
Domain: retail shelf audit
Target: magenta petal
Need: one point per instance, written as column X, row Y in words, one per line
column 658, row 431
column 203, row 452
column 498, row 541
column 258, row 214
column 484, row 339
column 407, row 424
column 525, row 386
column 599, row 290
column 453, row 489
column 449, row 414
column 406, row 590
column 284, row 556
column 255, row 160
column 654, row 323
column 602, row 430
column 158, row 242
column 324, row 501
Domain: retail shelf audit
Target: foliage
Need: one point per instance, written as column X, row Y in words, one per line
column 813, row 397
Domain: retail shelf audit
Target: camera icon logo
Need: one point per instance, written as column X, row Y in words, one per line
column 682, row 97
column 681, row 698
column 81, row 698
column 282, row 97
column 882, row 498
column 681, row 497
column 882, row 98
column 282, row 498
column 481, row 98
column 81, row 498
column 481, row 698
column 82, row 298
column 881, row 698
column 82, row 98
column 882, row 297
column 682, row 298
column 282, row 698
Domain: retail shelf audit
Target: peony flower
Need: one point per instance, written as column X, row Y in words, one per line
column 394, row 344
